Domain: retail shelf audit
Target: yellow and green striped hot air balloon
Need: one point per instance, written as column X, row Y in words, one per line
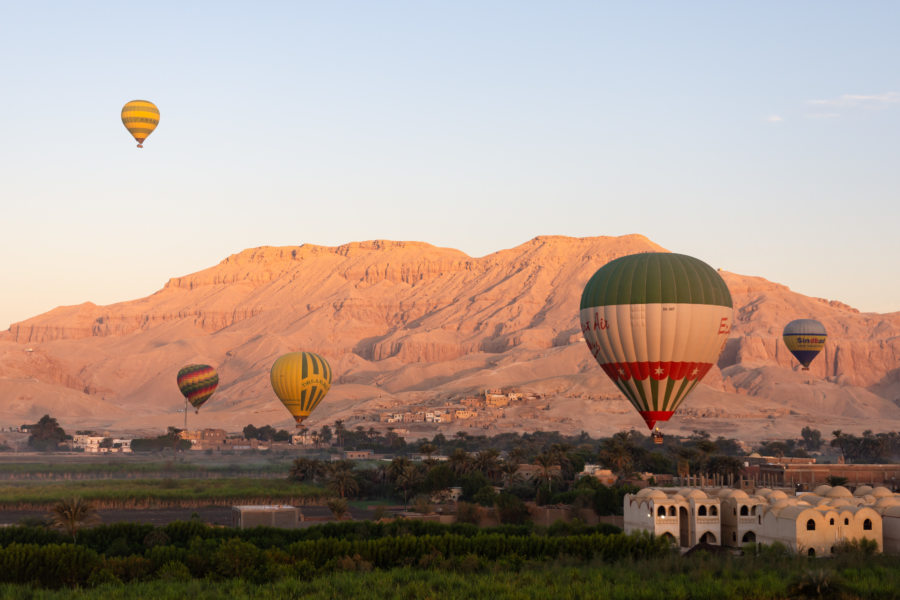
column 197, row 383
column 140, row 118
column 805, row 338
column 656, row 323
column 300, row 380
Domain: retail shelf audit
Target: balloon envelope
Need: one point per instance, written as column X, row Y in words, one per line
column 300, row 380
column 805, row 338
column 140, row 118
column 656, row 322
column 197, row 383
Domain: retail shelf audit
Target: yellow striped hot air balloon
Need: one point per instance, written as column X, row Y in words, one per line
column 140, row 118
column 300, row 380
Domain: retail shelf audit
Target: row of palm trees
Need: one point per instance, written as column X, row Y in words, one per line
column 403, row 477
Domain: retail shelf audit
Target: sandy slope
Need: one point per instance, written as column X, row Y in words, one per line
column 407, row 322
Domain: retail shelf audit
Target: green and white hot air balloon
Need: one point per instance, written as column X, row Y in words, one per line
column 656, row 322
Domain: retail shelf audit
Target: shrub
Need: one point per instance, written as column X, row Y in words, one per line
column 863, row 547
column 156, row 537
column 819, row 584
column 338, row 507
column 174, row 571
column 511, row 509
column 102, row 576
column 422, row 504
column 129, row 568
column 236, row 558
column 485, row 496
column 467, row 513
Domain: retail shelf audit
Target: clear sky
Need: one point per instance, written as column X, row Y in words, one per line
column 762, row 137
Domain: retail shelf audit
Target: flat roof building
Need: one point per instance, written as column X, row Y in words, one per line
column 266, row 515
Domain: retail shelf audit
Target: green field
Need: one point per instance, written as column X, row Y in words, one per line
column 414, row 559
column 673, row 578
column 142, row 493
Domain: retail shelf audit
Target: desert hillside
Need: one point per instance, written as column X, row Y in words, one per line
column 408, row 325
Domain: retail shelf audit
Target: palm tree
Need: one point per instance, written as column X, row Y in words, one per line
column 488, row 462
column 510, row 472
column 460, row 462
column 72, row 514
column 408, row 479
column 517, row 455
column 549, row 464
column 397, row 466
column 428, row 449
column 342, row 480
column 306, row 469
column 338, row 507
column 616, row 453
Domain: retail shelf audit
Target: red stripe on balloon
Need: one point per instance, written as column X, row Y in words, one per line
column 658, row 370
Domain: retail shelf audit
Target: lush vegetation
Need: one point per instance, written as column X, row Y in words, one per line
column 113, row 493
column 46, row 434
column 132, row 467
column 408, row 559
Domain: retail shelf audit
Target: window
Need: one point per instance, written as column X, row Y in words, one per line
column 733, row 536
column 753, row 510
column 701, row 511
column 846, row 521
column 867, row 524
column 812, row 552
column 714, row 511
column 672, row 511
column 810, row 525
column 831, row 521
column 744, row 511
column 661, row 511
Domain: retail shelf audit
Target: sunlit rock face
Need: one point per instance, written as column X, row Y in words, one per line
column 403, row 323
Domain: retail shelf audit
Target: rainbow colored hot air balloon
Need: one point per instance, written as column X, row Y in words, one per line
column 197, row 383
column 300, row 380
column 140, row 118
column 656, row 323
column 805, row 338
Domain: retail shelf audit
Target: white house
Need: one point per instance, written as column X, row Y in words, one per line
column 812, row 523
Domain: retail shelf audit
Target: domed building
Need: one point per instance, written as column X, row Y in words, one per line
column 741, row 517
column 686, row 516
column 812, row 523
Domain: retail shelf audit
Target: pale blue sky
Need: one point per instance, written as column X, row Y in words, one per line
column 761, row 137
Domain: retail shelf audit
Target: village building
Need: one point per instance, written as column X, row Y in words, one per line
column 813, row 523
column 604, row 476
column 804, row 474
column 257, row 515
column 205, row 439
column 88, row 443
column 358, row 455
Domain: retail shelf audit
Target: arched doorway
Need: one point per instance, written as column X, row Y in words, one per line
column 684, row 527
column 708, row 538
column 669, row 538
column 749, row 537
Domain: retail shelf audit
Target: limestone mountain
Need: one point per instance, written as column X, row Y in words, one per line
column 408, row 323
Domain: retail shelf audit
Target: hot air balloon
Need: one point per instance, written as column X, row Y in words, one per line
column 656, row 323
column 197, row 383
column 300, row 380
column 804, row 338
column 140, row 118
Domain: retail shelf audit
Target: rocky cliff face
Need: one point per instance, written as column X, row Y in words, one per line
column 400, row 317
